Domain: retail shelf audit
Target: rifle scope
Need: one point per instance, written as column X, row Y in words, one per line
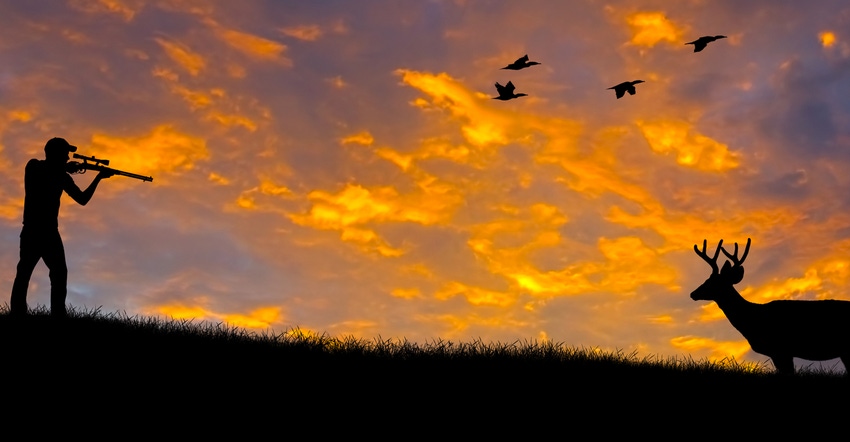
column 92, row 159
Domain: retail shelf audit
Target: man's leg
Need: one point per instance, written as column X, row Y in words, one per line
column 54, row 259
column 30, row 254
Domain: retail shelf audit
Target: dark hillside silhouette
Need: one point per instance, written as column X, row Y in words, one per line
column 150, row 365
column 781, row 330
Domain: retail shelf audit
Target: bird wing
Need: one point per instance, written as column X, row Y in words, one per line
column 631, row 90
column 620, row 92
column 500, row 89
column 522, row 59
column 698, row 46
column 509, row 88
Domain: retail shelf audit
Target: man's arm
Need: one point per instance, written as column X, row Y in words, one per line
column 82, row 197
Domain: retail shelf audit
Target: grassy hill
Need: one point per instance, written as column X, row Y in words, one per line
column 151, row 370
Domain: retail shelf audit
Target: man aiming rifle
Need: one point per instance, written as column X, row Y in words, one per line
column 44, row 182
column 99, row 165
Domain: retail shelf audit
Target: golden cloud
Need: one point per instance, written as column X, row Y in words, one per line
column 430, row 148
column 507, row 247
column 406, row 293
column 650, row 28
column 355, row 206
column 127, row 9
column 485, row 123
column 249, row 44
column 475, row 295
column 454, row 325
column 163, row 151
column 691, row 149
column 364, row 138
column 261, row 318
column 196, row 99
column 827, row 38
column 631, row 263
column 192, row 62
column 12, row 208
column 181, row 311
column 214, row 99
column 248, row 198
column 218, row 179
column 718, row 350
column 230, row 120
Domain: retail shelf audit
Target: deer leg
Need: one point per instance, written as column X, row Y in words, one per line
column 783, row 364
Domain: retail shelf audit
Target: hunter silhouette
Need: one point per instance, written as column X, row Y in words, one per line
column 44, row 182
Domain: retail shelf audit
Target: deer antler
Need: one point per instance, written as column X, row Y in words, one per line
column 713, row 261
column 734, row 257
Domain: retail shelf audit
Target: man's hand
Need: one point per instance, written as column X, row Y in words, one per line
column 105, row 174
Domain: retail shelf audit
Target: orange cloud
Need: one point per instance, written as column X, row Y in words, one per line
column 364, row 138
column 450, row 326
column 430, row 148
column 250, row 44
column 354, row 207
column 305, row 32
column 337, row 82
column 126, row 9
column 475, row 295
column 163, row 151
column 230, row 120
column 12, row 208
column 192, row 62
column 248, row 198
column 485, row 124
column 827, row 38
column 650, row 28
column 717, row 350
column 691, row 149
column 410, row 293
column 261, row 318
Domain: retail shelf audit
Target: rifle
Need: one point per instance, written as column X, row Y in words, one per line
column 99, row 165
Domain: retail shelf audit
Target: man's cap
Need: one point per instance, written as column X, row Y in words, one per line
column 59, row 145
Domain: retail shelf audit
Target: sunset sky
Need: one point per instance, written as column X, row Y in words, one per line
column 341, row 166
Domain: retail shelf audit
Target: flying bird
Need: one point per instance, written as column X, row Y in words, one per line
column 702, row 42
column 506, row 92
column 521, row 63
column 626, row 86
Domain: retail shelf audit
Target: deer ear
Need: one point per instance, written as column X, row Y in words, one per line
column 737, row 275
column 733, row 274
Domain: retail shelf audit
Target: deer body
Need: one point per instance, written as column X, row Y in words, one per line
column 781, row 330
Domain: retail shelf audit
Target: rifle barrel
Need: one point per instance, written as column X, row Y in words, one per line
column 132, row 175
column 98, row 167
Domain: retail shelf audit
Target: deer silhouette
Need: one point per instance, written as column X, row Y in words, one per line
column 782, row 329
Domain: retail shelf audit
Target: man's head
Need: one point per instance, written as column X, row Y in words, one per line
column 57, row 149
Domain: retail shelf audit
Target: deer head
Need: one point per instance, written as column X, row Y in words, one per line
column 721, row 280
